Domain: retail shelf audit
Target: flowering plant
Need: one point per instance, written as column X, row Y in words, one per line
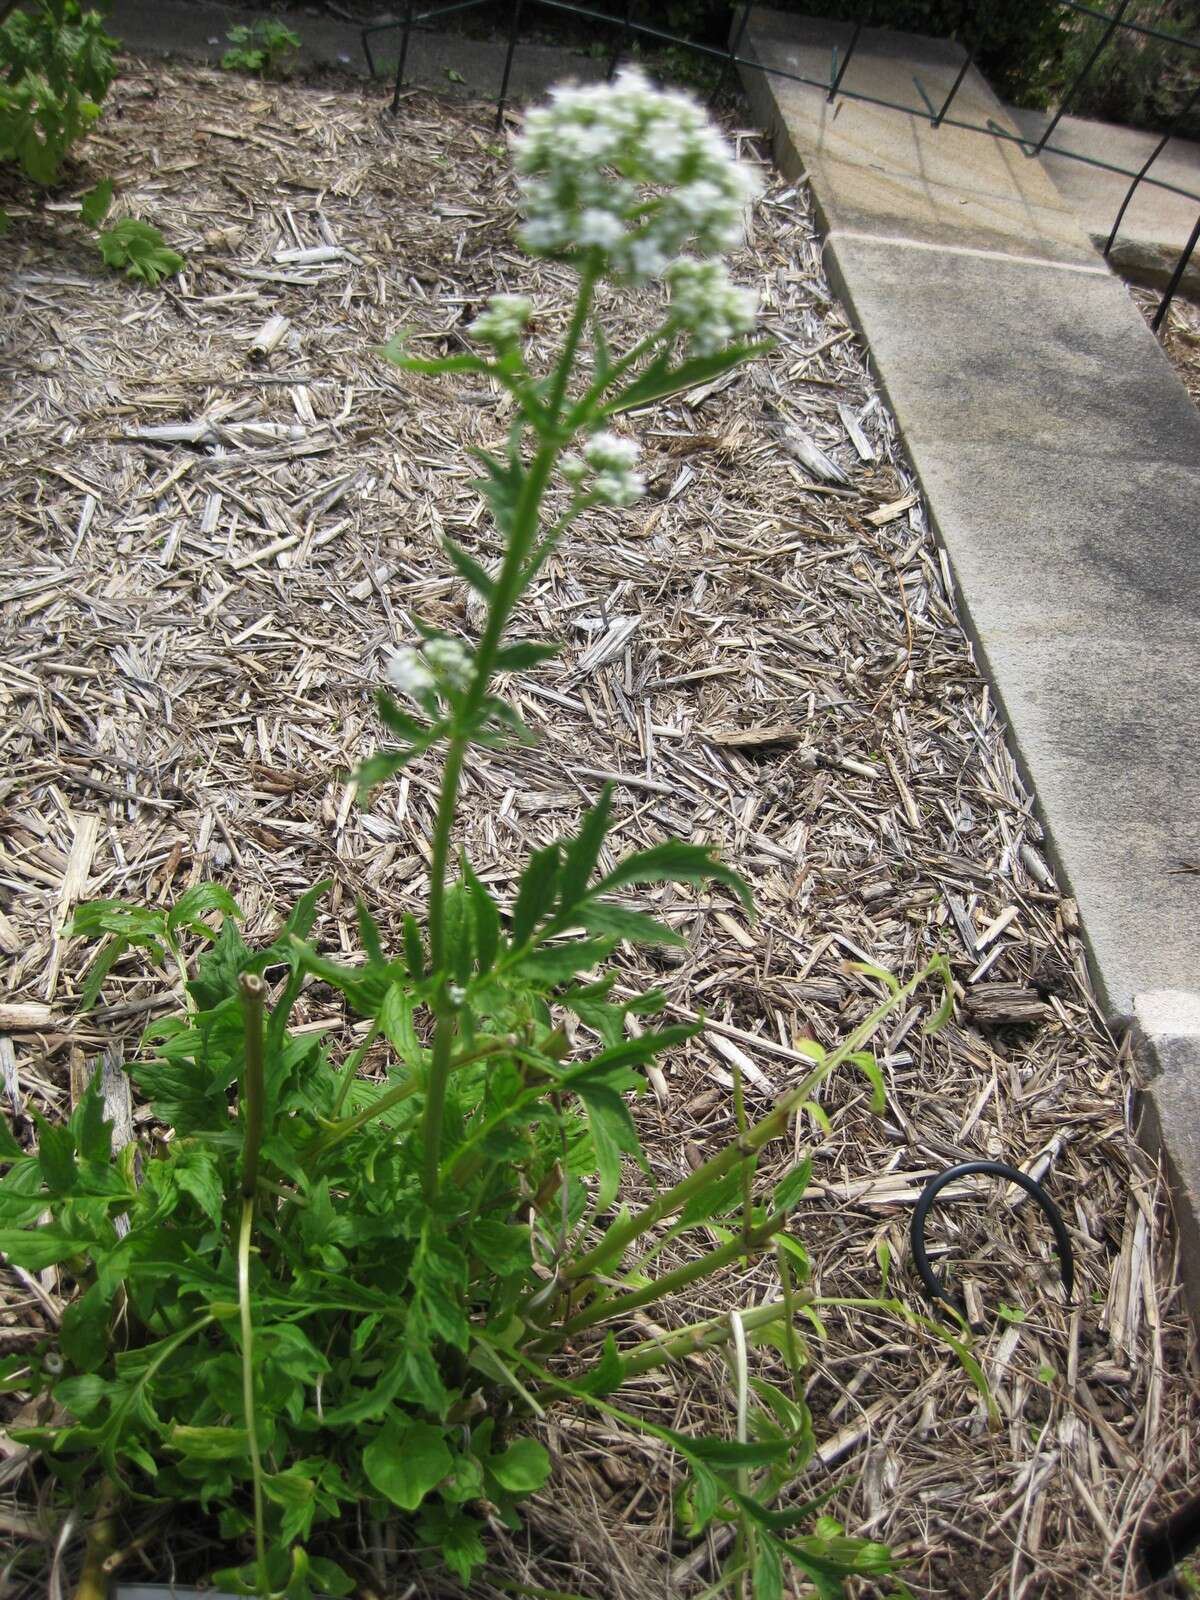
column 362, row 1290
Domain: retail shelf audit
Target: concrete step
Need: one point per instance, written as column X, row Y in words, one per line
column 1158, row 223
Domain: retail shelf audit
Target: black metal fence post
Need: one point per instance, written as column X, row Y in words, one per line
column 727, row 66
column 840, row 72
column 1193, row 98
column 513, row 30
column 622, row 41
column 1114, row 22
column 405, row 36
column 1172, row 288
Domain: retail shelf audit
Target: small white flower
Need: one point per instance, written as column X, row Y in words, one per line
column 619, row 488
column 707, row 305
column 628, row 171
column 608, row 452
column 611, row 459
column 455, row 993
column 450, row 660
column 503, row 318
column 408, row 672
column 600, row 227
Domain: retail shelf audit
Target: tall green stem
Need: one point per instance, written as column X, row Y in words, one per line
column 509, row 583
column 254, row 994
column 619, row 1237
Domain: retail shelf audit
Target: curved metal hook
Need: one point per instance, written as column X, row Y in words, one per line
column 996, row 1169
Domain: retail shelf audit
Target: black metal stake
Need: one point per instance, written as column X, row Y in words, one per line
column 1176, row 278
column 405, row 36
column 1149, row 162
column 622, row 41
column 954, row 88
column 841, row 72
column 514, row 27
column 727, row 66
column 1114, row 22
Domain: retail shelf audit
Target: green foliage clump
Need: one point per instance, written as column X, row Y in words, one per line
column 139, row 249
column 56, row 66
column 1138, row 78
column 265, row 47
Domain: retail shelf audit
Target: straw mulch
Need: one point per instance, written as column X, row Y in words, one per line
column 765, row 654
column 1179, row 335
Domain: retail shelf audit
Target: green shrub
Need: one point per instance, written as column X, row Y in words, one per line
column 56, row 66
column 265, row 47
column 1137, row 79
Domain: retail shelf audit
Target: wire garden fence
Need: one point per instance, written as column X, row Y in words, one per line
column 622, row 27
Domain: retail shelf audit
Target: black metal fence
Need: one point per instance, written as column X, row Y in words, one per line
column 624, row 27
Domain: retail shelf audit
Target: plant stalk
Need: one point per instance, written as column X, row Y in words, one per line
column 707, row 1335
column 508, row 588
column 247, row 1326
column 704, row 1266
column 254, row 994
column 619, row 1237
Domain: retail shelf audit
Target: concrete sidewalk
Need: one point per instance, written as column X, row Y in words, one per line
column 1060, row 457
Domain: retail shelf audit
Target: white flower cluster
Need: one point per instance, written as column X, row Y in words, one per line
column 707, row 304
column 501, row 321
column 630, row 171
column 612, row 460
column 442, row 663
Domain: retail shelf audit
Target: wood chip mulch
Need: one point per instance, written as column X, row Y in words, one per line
column 209, row 550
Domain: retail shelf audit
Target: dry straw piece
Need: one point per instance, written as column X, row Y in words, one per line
column 221, row 513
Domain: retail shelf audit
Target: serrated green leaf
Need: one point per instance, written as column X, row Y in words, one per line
column 83, row 1336
column 788, row 1193
column 523, row 654
column 407, row 1461
column 717, row 1199
column 613, row 1135
column 485, row 916
column 107, row 957
column 42, row 1247
column 673, row 861
column 414, row 953
column 197, row 902
column 56, row 1156
column 456, row 1538
column 396, row 352
column 198, row 1173
column 766, row 1577
column 661, row 380
column 90, row 1134
column 140, row 249
column 601, row 916
column 607, row 1375
column 397, row 721
column 467, row 567
column 208, row 1444
column 582, row 853
column 552, row 964
column 867, row 1065
column 535, row 893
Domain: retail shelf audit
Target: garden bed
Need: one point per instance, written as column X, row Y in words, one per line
column 764, row 654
